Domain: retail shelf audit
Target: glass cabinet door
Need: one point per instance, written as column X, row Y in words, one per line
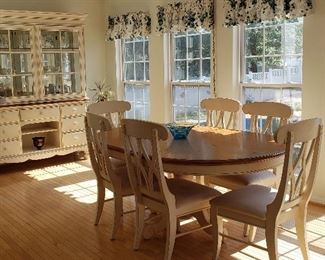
column 15, row 64
column 61, row 67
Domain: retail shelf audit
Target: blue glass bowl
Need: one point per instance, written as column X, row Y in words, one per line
column 179, row 131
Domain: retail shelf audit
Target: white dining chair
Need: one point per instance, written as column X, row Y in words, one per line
column 268, row 208
column 172, row 198
column 110, row 173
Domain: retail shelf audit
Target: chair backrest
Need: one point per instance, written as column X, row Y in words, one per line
column 109, row 109
column 96, row 128
column 216, row 108
column 144, row 162
column 270, row 110
column 303, row 141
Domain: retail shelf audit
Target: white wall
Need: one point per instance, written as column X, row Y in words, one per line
column 94, row 29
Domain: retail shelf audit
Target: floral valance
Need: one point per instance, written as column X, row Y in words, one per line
column 252, row 11
column 185, row 15
column 129, row 25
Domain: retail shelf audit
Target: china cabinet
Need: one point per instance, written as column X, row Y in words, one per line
column 42, row 84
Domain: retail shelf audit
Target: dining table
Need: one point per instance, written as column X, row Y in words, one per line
column 212, row 151
column 208, row 151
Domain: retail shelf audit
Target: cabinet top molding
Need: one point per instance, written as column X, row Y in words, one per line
column 41, row 18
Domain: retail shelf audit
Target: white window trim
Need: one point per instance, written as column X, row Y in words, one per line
column 171, row 71
column 121, row 83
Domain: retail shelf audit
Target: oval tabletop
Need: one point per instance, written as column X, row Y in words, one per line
column 206, row 146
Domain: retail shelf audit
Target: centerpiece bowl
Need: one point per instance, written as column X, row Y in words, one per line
column 179, row 130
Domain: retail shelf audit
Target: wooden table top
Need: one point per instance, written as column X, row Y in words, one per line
column 210, row 146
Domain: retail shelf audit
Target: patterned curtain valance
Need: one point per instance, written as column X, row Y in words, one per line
column 252, row 11
column 128, row 26
column 185, row 15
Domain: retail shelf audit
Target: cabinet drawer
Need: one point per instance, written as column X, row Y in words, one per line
column 9, row 116
column 73, row 109
column 70, row 139
column 9, row 131
column 39, row 113
column 10, row 148
column 73, row 124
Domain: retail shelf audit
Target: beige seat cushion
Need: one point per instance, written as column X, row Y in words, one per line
column 122, row 173
column 190, row 194
column 232, row 182
column 247, row 204
column 116, row 163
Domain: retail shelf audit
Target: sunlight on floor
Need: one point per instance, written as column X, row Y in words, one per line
column 84, row 192
column 51, row 172
column 288, row 244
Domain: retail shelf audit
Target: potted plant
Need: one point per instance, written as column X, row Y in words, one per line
column 102, row 92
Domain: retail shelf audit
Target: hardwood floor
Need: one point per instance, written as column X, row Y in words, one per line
column 47, row 211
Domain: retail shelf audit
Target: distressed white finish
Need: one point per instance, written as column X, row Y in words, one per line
column 266, row 208
column 57, row 117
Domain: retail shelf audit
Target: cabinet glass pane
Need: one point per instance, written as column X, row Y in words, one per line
column 21, row 63
column 71, row 83
column 50, row 40
column 5, row 67
column 4, row 41
column 70, row 62
column 23, row 85
column 20, row 39
column 52, row 62
column 69, row 40
column 5, row 86
column 53, row 84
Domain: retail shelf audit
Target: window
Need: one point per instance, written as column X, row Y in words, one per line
column 135, row 54
column 190, row 74
column 272, row 63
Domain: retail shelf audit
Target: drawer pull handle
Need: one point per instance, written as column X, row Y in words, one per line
column 76, row 137
column 75, row 122
column 74, row 109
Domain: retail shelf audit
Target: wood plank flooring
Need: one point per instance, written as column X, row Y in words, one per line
column 47, row 211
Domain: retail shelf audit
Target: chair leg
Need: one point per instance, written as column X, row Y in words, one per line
column 246, row 230
column 139, row 222
column 171, row 236
column 100, row 201
column 271, row 235
column 251, row 233
column 217, row 228
column 300, row 220
column 118, row 213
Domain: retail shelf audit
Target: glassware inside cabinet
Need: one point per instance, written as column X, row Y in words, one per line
column 4, row 39
column 71, row 83
column 20, row 40
column 22, row 63
column 5, row 64
column 23, row 85
column 70, row 62
column 69, row 40
column 5, row 86
column 50, row 40
column 51, row 62
column 53, row 84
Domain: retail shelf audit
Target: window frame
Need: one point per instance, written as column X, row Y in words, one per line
column 262, row 85
column 135, row 83
column 187, row 83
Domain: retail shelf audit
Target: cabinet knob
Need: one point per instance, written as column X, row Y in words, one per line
column 74, row 109
column 75, row 122
column 76, row 137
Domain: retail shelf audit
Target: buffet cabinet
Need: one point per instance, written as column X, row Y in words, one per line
column 61, row 125
column 42, row 85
